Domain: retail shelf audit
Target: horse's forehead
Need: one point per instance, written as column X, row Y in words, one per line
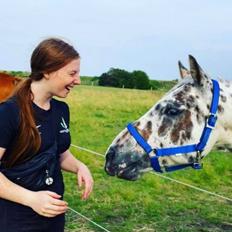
column 184, row 89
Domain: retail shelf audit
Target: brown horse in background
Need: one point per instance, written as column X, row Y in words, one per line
column 7, row 85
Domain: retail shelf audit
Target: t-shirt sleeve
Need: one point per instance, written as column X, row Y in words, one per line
column 8, row 124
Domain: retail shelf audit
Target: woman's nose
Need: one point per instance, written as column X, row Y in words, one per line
column 77, row 80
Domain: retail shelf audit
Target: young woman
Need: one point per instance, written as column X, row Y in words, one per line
column 34, row 143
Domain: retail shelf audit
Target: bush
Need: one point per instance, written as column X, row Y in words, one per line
column 121, row 78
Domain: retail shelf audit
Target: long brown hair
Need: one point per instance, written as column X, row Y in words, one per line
column 49, row 56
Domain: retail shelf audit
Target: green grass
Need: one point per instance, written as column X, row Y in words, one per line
column 152, row 203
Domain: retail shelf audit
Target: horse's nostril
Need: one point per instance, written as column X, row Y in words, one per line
column 109, row 166
column 110, row 170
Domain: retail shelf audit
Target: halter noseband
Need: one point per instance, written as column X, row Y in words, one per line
column 155, row 153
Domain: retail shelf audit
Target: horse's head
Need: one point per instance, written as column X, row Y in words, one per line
column 7, row 84
column 177, row 119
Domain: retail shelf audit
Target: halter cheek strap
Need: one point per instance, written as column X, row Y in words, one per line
column 198, row 148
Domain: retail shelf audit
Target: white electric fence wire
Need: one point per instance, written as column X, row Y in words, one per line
column 166, row 177
column 193, row 187
column 154, row 173
column 83, row 216
column 85, row 149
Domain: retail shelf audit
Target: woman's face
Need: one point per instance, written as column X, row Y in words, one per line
column 63, row 80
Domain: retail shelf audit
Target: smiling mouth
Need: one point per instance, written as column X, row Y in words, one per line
column 68, row 87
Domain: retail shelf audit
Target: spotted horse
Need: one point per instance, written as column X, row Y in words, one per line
column 178, row 131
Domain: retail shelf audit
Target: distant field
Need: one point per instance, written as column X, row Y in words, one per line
column 151, row 204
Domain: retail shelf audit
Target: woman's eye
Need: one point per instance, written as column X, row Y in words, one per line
column 72, row 74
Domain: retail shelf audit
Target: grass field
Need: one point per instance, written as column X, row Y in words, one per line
column 152, row 203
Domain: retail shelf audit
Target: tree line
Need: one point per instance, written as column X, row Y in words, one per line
column 118, row 78
column 123, row 79
column 134, row 80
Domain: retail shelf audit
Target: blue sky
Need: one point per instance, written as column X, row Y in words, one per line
column 148, row 35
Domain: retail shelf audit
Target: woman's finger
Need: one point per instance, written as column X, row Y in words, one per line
column 79, row 180
column 59, row 202
column 88, row 189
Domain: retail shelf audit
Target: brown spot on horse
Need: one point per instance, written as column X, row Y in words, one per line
column 183, row 127
column 147, row 131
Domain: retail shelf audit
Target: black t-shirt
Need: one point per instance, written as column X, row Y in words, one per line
column 52, row 124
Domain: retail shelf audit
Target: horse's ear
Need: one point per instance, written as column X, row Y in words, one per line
column 184, row 72
column 17, row 80
column 196, row 71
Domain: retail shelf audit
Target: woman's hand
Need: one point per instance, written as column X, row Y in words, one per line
column 69, row 163
column 84, row 177
column 47, row 203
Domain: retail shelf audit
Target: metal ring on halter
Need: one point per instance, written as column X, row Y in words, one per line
column 197, row 164
column 152, row 153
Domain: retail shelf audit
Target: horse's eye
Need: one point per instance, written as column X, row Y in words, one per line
column 172, row 111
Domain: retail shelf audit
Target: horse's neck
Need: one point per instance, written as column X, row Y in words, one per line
column 225, row 112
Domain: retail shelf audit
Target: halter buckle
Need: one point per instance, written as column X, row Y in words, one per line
column 211, row 121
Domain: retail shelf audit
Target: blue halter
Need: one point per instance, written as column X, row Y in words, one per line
column 198, row 148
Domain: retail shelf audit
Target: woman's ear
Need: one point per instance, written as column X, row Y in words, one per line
column 46, row 76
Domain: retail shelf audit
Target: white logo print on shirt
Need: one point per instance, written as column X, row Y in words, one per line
column 64, row 125
column 38, row 128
